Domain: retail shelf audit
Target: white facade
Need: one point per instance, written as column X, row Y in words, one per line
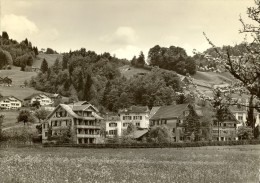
column 140, row 120
column 113, row 128
column 242, row 115
column 43, row 99
column 10, row 103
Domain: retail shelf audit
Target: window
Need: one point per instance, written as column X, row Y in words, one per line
column 125, row 124
column 225, row 124
column 112, row 124
column 240, row 118
column 112, row 132
column 127, row 117
column 137, row 118
column 137, row 124
column 46, row 134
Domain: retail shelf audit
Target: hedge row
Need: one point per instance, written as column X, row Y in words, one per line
column 158, row 145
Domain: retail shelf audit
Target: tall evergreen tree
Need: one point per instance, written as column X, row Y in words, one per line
column 44, row 66
column 87, row 91
column 133, row 61
column 192, row 124
column 140, row 60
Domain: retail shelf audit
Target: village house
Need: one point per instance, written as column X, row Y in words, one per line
column 113, row 126
column 225, row 130
column 172, row 116
column 44, row 99
column 6, row 81
column 81, row 118
column 240, row 113
column 10, row 102
column 136, row 115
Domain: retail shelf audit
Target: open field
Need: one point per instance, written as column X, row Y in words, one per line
column 129, row 71
column 203, row 165
column 10, row 118
column 50, row 58
column 17, row 76
column 17, row 91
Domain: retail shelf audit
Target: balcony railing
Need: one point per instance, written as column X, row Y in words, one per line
column 87, row 135
column 88, row 126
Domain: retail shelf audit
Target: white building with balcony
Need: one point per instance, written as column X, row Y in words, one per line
column 10, row 102
column 81, row 118
column 44, row 99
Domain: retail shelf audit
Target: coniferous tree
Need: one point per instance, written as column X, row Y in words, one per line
column 140, row 60
column 87, row 91
column 133, row 61
column 192, row 125
column 44, row 66
column 5, row 35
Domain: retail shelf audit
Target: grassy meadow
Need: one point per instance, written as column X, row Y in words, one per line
column 200, row 165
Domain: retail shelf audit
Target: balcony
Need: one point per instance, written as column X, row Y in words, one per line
column 88, row 126
column 88, row 135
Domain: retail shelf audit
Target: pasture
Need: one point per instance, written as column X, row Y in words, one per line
column 203, row 165
column 50, row 58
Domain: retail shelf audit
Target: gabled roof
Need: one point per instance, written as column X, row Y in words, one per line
column 34, row 95
column 71, row 111
column 82, row 106
column 169, row 112
column 138, row 133
column 153, row 111
column 135, row 109
column 9, row 98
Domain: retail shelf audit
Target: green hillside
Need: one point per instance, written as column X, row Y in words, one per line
column 129, row 71
column 203, row 79
column 17, row 76
column 50, row 58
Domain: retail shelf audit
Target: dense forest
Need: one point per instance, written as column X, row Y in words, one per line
column 13, row 53
column 172, row 58
column 85, row 75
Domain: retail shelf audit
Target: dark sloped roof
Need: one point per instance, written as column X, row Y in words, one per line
column 138, row 133
column 35, row 94
column 170, row 111
column 135, row 109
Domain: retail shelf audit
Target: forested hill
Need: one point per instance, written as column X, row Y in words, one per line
column 18, row 54
column 86, row 75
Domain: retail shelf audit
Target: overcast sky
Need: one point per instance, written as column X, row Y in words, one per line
column 123, row 27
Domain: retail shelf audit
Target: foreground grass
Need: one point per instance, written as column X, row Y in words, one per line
column 207, row 164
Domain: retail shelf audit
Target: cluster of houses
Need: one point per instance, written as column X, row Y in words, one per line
column 85, row 122
column 11, row 102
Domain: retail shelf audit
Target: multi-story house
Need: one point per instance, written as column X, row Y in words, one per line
column 10, row 102
column 113, row 126
column 137, row 115
column 172, row 116
column 81, row 118
column 226, row 129
column 240, row 113
column 44, row 99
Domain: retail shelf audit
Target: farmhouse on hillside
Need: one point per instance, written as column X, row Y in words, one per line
column 44, row 99
column 10, row 102
column 81, row 119
column 6, row 80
